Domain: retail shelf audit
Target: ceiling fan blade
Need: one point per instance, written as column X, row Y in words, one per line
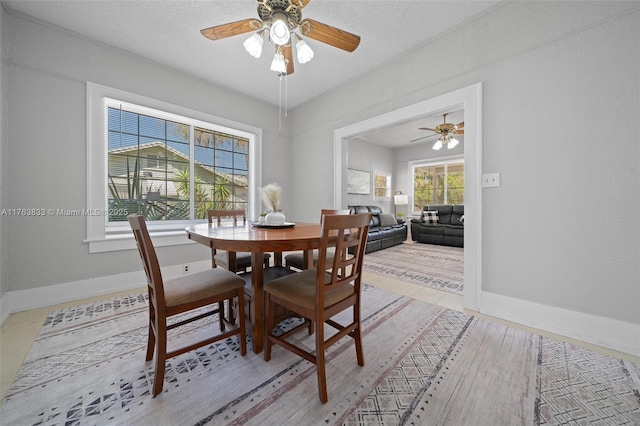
column 231, row 29
column 459, row 132
column 460, row 125
column 422, row 138
column 300, row 3
column 287, row 52
column 426, row 128
column 329, row 35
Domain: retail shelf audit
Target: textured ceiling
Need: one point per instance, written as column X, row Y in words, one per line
column 168, row 32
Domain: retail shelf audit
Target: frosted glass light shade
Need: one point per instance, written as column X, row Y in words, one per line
column 278, row 64
column 304, row 51
column 253, row 45
column 452, row 142
column 279, row 32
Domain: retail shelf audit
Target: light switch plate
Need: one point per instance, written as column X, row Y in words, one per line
column 490, row 180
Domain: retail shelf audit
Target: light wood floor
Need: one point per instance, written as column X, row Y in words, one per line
column 20, row 329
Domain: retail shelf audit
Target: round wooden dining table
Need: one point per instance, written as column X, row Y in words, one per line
column 259, row 240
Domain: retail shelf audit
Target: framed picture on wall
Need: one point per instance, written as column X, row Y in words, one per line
column 358, row 182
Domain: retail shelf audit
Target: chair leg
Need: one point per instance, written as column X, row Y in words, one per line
column 320, row 363
column 231, row 316
column 161, row 359
column 151, row 342
column 358, row 341
column 268, row 326
column 242, row 321
column 357, row 337
column 221, row 315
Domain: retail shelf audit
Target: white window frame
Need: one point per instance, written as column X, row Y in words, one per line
column 387, row 189
column 431, row 162
column 102, row 238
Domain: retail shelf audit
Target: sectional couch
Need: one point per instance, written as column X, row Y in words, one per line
column 443, row 225
column 384, row 231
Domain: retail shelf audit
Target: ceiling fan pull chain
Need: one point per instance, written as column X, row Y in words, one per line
column 280, row 102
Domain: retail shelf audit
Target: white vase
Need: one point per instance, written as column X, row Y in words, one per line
column 275, row 218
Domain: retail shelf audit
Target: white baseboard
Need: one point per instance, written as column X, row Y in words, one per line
column 24, row 300
column 606, row 332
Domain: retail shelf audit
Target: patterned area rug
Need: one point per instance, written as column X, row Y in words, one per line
column 424, row 365
column 428, row 265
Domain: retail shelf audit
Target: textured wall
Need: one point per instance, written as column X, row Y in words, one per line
column 560, row 123
column 4, row 282
column 48, row 70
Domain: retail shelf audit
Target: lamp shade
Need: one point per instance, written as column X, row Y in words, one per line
column 401, row 199
column 304, row 51
column 452, row 142
column 278, row 64
column 253, row 45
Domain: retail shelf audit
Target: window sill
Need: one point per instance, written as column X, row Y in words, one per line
column 126, row 242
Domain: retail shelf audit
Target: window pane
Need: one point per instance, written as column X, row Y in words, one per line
column 177, row 132
column 241, row 161
column 455, row 184
column 129, row 122
column 224, row 158
column 152, row 127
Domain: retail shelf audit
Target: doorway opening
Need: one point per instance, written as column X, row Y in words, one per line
column 470, row 100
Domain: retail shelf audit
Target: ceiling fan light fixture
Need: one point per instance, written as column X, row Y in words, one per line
column 437, row 145
column 304, row 52
column 278, row 64
column 253, row 44
column 279, row 31
column 452, row 143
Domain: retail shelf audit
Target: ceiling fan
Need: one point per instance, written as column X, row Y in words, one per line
column 280, row 18
column 445, row 130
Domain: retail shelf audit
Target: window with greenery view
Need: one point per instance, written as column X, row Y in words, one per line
column 171, row 168
column 438, row 183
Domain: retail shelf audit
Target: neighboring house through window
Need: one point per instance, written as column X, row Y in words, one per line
column 165, row 162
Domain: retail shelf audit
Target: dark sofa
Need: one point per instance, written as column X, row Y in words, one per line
column 448, row 231
column 384, row 230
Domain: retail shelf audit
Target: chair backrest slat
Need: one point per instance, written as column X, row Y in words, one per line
column 219, row 214
column 342, row 232
column 334, row 212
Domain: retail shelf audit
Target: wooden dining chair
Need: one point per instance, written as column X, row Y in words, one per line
column 232, row 261
column 296, row 260
column 184, row 294
column 320, row 293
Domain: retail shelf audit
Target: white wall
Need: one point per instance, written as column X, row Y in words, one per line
column 4, row 285
column 47, row 73
column 561, row 107
column 370, row 158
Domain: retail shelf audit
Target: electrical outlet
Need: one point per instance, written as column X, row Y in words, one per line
column 185, row 269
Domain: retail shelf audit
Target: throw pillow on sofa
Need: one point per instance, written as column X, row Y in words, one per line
column 430, row 216
column 387, row 219
column 461, row 220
